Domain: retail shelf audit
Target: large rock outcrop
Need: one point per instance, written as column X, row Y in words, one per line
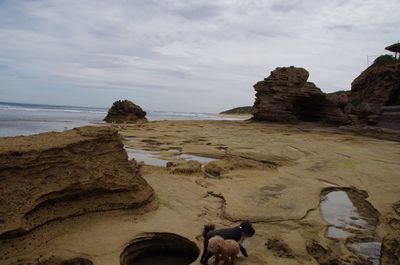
column 375, row 93
column 57, row 175
column 125, row 111
column 286, row 96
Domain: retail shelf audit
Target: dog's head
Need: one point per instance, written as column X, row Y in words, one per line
column 247, row 228
column 214, row 244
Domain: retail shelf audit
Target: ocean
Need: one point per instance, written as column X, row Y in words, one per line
column 26, row 119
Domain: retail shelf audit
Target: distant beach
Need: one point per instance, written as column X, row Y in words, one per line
column 26, row 119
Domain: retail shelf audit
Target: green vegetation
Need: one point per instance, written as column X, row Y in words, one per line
column 385, row 59
column 339, row 92
column 239, row 110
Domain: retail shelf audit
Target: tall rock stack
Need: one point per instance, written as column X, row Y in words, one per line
column 375, row 95
column 51, row 176
column 286, row 96
column 125, row 111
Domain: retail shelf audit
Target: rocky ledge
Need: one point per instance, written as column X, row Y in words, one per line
column 57, row 175
column 125, row 111
column 375, row 95
column 286, row 96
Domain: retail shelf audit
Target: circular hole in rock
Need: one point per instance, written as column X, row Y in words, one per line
column 160, row 248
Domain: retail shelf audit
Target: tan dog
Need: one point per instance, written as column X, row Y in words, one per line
column 227, row 250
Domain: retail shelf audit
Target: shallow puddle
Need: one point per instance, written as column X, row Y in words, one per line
column 351, row 218
column 147, row 157
column 201, row 159
column 337, row 233
column 339, row 211
column 370, row 250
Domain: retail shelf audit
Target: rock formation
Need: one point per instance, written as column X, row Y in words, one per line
column 391, row 249
column 286, row 96
column 340, row 98
column 125, row 111
column 374, row 90
column 184, row 167
column 57, row 175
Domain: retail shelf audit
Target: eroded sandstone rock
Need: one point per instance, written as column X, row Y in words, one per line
column 125, row 111
column 221, row 166
column 279, row 248
column 56, row 175
column 391, row 249
column 286, row 96
column 184, row 167
column 373, row 91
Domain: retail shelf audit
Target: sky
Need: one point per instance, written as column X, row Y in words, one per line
column 200, row 56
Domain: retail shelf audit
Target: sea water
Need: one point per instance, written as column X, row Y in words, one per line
column 26, row 119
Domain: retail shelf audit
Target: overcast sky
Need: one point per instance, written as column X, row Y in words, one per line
column 201, row 56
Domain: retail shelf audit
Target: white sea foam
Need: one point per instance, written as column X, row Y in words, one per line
column 32, row 107
column 26, row 119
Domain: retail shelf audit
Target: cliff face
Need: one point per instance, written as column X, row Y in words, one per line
column 377, row 86
column 56, row 175
column 375, row 89
column 286, row 96
column 125, row 111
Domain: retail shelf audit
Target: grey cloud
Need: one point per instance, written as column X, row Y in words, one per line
column 284, row 7
column 345, row 27
column 200, row 12
column 165, row 53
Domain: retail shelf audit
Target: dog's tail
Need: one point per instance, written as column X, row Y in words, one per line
column 208, row 228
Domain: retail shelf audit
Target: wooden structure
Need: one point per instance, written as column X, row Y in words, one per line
column 394, row 48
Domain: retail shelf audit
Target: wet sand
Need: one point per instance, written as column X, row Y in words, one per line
column 270, row 174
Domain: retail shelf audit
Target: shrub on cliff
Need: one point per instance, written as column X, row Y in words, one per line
column 385, row 59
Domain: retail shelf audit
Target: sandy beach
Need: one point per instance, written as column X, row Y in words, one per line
column 236, row 116
column 197, row 132
column 271, row 174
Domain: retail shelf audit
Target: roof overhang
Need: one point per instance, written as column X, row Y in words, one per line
column 394, row 47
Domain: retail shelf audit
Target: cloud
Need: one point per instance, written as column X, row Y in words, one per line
column 182, row 55
column 345, row 27
column 199, row 11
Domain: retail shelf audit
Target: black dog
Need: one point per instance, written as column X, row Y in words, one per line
column 244, row 229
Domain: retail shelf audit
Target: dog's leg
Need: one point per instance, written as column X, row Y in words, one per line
column 207, row 256
column 217, row 259
column 205, row 252
column 226, row 258
column 233, row 257
column 243, row 250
